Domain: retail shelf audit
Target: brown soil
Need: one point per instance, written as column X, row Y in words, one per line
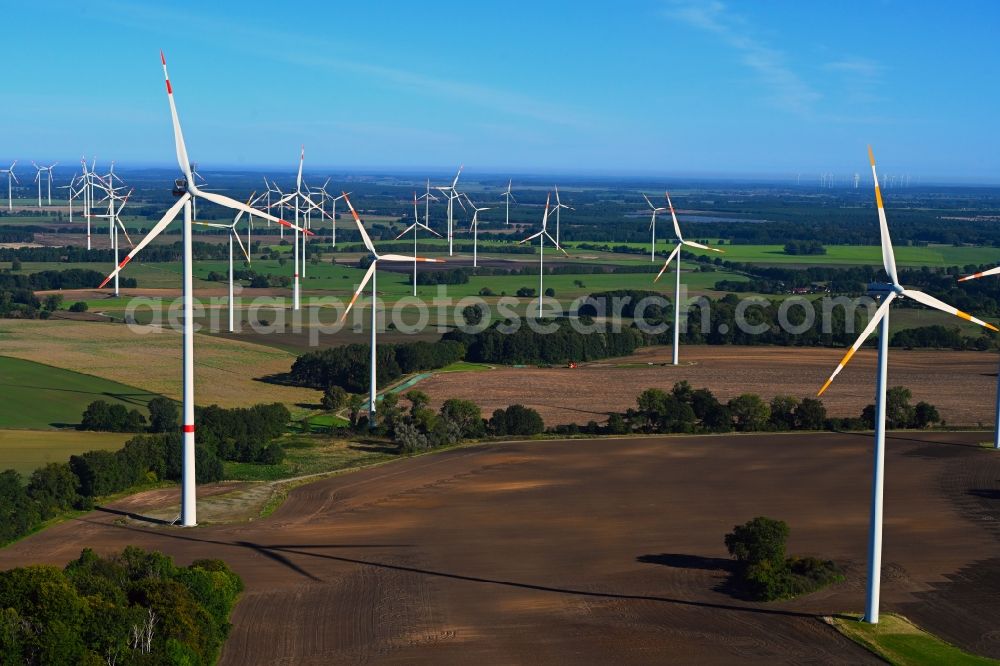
column 962, row 385
column 591, row 551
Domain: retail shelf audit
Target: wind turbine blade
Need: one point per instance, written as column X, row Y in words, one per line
column 558, row 246
column 239, row 205
column 531, row 237
column 647, row 201
column 368, row 276
column 454, row 183
column 974, row 276
column 888, row 258
column 673, row 216
column 167, row 218
column 124, row 231
column 239, row 215
column 406, row 231
column 302, row 159
column 881, row 312
column 214, row 225
column 182, row 155
column 930, row 301
column 676, row 251
column 242, row 247
column 424, row 226
column 700, row 246
column 400, row 257
column 361, row 227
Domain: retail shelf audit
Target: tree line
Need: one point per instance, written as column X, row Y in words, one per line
column 132, row 607
column 241, row 434
column 685, row 409
column 348, row 366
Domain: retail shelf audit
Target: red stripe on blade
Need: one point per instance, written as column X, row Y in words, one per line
column 170, row 91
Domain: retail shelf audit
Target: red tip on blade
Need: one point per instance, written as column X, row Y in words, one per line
column 162, row 59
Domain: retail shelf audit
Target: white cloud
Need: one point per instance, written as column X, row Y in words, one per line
column 784, row 86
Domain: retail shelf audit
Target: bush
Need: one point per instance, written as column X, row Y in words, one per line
column 334, row 398
column 104, row 417
column 516, row 420
column 79, row 306
column 763, row 570
column 163, row 415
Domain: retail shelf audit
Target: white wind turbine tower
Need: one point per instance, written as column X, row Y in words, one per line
column 541, row 236
column 887, row 292
column 115, row 222
column 186, row 190
column 677, row 281
column 370, row 275
column 508, row 197
column 48, row 177
column 559, row 205
column 652, row 226
column 324, row 197
column 299, row 196
column 451, row 192
column 72, row 193
column 996, row 425
column 233, row 234
column 474, row 227
column 10, row 188
column 413, row 227
column 88, row 193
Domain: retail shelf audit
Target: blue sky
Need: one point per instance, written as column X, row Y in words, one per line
column 641, row 87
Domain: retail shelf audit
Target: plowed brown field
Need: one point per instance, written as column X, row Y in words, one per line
column 591, row 551
column 961, row 384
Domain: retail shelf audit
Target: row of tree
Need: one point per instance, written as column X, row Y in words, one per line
column 241, row 434
column 348, row 366
column 684, row 409
column 564, row 343
column 133, row 607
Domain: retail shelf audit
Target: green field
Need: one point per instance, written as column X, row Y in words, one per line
column 848, row 255
column 38, row 396
column 900, row 642
column 26, row 450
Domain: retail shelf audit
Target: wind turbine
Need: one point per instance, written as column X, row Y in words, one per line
column 298, row 196
column 186, row 190
column 451, row 192
column 474, row 227
column 508, row 197
column 541, row 235
column 324, row 197
column 38, row 179
column 652, row 226
column 115, row 222
column 996, row 428
column 370, row 275
column 558, row 206
column 677, row 282
column 413, row 227
column 88, row 193
column 233, row 234
column 10, row 177
column 72, row 193
column 887, row 292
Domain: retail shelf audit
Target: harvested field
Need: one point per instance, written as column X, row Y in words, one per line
column 590, row 551
column 226, row 371
column 961, row 384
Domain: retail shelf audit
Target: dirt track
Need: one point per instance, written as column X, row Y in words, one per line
column 962, row 385
column 592, row 551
